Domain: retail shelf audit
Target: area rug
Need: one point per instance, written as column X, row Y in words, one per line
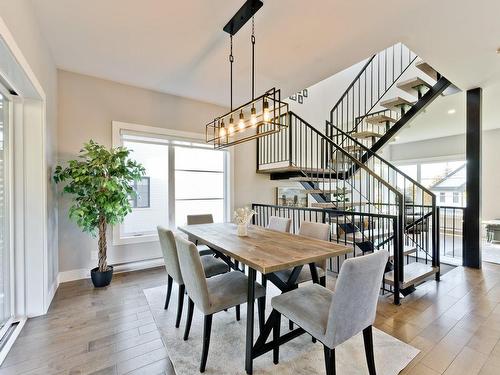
column 299, row 356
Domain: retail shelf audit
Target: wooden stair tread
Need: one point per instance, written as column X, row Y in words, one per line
column 407, row 250
column 412, row 85
column 413, row 274
column 353, row 148
column 380, row 119
column 396, row 102
column 365, row 134
column 368, row 234
column 427, row 69
column 322, row 205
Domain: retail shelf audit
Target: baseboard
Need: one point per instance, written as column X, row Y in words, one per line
column 84, row 273
column 51, row 294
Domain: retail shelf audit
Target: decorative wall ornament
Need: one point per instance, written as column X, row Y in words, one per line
column 299, row 96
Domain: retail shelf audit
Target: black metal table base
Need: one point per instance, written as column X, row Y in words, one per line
column 261, row 346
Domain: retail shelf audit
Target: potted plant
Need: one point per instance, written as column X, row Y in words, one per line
column 101, row 184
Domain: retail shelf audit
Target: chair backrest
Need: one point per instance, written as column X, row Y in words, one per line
column 320, row 231
column 200, row 219
column 280, row 224
column 169, row 250
column 193, row 273
column 354, row 303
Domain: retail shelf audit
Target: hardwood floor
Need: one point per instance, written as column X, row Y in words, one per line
column 91, row 331
column 455, row 324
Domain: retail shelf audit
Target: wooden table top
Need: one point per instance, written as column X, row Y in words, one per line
column 265, row 250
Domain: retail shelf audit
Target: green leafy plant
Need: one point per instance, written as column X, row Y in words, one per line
column 101, row 184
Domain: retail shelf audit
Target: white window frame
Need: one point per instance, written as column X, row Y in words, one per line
column 118, row 128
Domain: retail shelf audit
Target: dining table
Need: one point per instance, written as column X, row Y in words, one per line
column 265, row 251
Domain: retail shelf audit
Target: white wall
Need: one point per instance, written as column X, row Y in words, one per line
column 323, row 96
column 32, row 51
column 87, row 106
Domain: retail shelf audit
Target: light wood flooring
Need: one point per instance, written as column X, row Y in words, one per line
column 455, row 324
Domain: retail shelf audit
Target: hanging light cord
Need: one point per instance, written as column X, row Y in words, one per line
column 231, row 60
column 253, row 58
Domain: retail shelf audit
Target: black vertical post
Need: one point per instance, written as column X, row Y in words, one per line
column 472, row 220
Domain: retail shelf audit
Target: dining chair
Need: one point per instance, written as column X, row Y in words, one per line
column 200, row 219
column 334, row 317
column 211, row 295
column 280, row 224
column 320, row 231
column 211, row 267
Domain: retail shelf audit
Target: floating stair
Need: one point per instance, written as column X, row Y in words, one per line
column 427, row 69
column 414, row 86
column 413, row 274
column 353, row 148
column 380, row 119
column 396, row 103
column 407, row 250
column 366, row 134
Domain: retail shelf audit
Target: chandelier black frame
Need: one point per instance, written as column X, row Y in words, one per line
column 261, row 116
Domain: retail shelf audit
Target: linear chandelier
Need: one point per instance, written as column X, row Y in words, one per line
column 262, row 115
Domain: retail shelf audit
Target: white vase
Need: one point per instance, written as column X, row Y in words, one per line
column 242, row 230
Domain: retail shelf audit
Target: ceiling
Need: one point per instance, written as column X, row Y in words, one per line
column 179, row 47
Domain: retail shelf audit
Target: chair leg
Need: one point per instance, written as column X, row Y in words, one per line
column 189, row 318
column 329, row 360
column 180, row 303
column 261, row 306
column 238, row 313
column 370, row 358
column 276, row 335
column 170, row 281
column 322, row 281
column 207, row 328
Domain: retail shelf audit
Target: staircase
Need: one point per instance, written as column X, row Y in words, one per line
column 371, row 204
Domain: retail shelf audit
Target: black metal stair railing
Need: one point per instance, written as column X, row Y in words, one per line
column 374, row 80
column 421, row 216
column 333, row 217
column 301, row 152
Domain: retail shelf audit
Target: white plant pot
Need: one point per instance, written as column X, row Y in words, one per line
column 242, row 230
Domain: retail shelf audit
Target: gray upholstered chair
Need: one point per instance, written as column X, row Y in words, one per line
column 335, row 317
column 280, row 224
column 211, row 295
column 319, row 231
column 200, row 219
column 211, row 267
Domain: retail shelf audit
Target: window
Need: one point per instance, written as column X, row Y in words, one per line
column 145, row 216
column 446, row 179
column 141, row 189
column 199, row 183
column 183, row 177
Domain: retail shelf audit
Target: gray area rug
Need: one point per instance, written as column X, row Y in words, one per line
column 299, row 357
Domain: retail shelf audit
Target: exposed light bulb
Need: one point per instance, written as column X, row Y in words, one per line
column 231, row 125
column 253, row 117
column 266, row 116
column 222, row 129
column 241, row 123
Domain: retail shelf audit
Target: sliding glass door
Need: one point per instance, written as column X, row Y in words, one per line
column 5, row 266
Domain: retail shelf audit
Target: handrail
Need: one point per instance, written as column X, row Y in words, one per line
column 352, row 83
column 349, row 156
column 332, row 210
column 367, row 149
